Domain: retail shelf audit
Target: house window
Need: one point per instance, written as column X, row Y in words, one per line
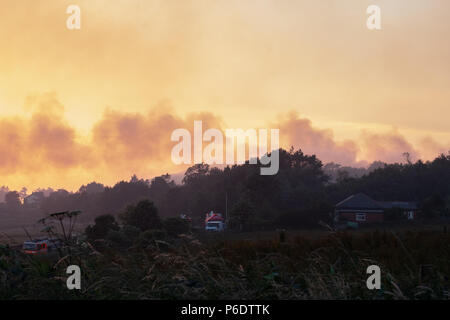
column 360, row 217
column 410, row 215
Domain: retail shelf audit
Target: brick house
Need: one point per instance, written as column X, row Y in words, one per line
column 362, row 209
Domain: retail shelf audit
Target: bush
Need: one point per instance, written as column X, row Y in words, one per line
column 131, row 232
column 176, row 226
column 433, row 207
column 118, row 239
column 148, row 237
column 103, row 224
column 144, row 216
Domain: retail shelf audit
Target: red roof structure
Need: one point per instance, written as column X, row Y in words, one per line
column 214, row 217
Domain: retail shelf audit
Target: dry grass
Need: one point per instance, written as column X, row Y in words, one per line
column 327, row 267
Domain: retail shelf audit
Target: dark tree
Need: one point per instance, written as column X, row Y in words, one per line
column 103, row 224
column 176, row 226
column 433, row 206
column 144, row 216
column 92, row 188
column 242, row 215
column 195, row 172
column 12, row 200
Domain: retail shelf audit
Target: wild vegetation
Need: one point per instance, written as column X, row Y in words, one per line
column 130, row 263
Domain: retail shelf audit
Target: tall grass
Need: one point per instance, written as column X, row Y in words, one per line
column 414, row 265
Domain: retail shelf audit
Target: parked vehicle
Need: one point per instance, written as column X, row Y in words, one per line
column 214, row 222
column 41, row 246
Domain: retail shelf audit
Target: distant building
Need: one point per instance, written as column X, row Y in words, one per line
column 362, row 209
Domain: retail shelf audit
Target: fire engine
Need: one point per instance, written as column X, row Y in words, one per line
column 214, row 222
column 41, row 246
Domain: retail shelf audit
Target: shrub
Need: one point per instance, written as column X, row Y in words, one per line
column 103, row 224
column 144, row 216
column 176, row 226
column 131, row 232
column 118, row 239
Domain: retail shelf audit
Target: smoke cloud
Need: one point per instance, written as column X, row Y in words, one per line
column 40, row 148
column 389, row 147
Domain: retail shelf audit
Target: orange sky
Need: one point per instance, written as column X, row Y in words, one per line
column 99, row 103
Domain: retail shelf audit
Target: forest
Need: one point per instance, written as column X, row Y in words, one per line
column 301, row 195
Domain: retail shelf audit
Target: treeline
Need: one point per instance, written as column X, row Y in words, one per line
column 299, row 196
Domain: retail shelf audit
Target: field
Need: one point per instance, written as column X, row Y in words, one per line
column 415, row 264
column 17, row 227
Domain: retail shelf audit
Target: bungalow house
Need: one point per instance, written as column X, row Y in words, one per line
column 362, row 209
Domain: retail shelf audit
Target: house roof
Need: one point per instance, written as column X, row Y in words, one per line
column 362, row 201
column 399, row 204
column 359, row 201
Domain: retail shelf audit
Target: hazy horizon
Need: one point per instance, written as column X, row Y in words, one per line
column 99, row 103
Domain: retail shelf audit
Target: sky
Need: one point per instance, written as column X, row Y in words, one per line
column 100, row 103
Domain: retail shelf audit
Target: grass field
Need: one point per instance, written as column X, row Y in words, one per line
column 260, row 265
column 14, row 229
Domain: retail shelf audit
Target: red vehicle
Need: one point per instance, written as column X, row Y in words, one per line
column 214, row 222
column 40, row 246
